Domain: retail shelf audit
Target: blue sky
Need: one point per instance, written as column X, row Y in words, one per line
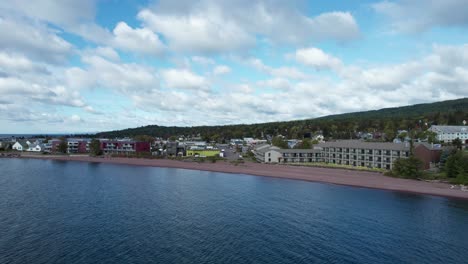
column 87, row 66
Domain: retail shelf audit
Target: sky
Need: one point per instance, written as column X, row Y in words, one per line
column 70, row 66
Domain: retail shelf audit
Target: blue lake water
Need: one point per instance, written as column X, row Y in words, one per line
column 71, row 212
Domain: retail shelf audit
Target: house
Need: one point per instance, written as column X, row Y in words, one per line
column 447, row 134
column 171, row 148
column 20, row 145
column 236, row 142
column 429, row 154
column 35, row 148
column 293, row 142
column 318, row 137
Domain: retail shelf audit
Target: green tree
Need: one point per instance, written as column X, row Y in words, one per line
column 431, row 136
column 410, row 168
column 457, row 165
column 457, row 143
column 390, row 133
column 62, row 146
column 144, row 138
column 402, row 136
column 305, row 144
column 279, row 142
column 95, row 147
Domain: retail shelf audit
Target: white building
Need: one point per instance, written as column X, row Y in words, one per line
column 20, row 146
column 449, row 133
column 35, row 148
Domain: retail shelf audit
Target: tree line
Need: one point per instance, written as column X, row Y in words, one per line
column 344, row 126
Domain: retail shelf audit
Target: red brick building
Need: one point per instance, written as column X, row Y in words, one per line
column 428, row 153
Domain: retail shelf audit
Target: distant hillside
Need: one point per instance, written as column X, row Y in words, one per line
column 451, row 112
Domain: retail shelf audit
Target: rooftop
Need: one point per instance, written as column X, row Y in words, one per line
column 449, row 129
column 364, row 145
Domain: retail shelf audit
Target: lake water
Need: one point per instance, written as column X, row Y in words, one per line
column 71, row 212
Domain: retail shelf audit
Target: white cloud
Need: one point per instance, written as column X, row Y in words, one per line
column 283, row 72
column 108, row 53
column 140, row 40
column 125, row 77
column 75, row 118
column 33, row 39
column 210, row 26
column 16, row 63
column 410, row 16
column 334, row 25
column 76, row 17
column 203, row 60
column 317, row 59
column 184, row 79
column 221, row 69
column 276, row 83
column 206, row 31
column 23, row 91
column 62, row 12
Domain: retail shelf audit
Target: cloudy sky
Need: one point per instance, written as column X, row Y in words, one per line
column 94, row 65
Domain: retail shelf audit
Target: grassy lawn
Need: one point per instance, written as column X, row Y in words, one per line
column 335, row 166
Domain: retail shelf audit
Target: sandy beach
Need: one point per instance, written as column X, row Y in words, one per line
column 326, row 175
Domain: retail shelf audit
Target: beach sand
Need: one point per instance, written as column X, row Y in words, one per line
column 326, row 175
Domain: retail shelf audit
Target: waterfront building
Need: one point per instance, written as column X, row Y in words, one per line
column 78, row 145
column 364, row 154
column 124, row 147
column 36, row 148
column 345, row 152
column 429, row 154
column 20, row 145
column 260, row 153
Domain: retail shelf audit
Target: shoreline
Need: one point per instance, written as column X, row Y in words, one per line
column 354, row 178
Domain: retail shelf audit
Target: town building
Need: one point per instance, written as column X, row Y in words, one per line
column 36, row 147
column 78, row 145
column 364, row 154
column 293, row 155
column 124, row 147
column 260, row 153
column 20, row 145
column 344, row 152
column 429, row 154
column 446, row 134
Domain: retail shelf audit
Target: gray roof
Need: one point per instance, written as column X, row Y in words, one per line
column 265, row 148
column 449, row 129
column 23, row 143
column 429, row 146
column 364, row 145
column 299, row 150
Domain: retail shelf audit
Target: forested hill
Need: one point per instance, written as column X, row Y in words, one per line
column 386, row 120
